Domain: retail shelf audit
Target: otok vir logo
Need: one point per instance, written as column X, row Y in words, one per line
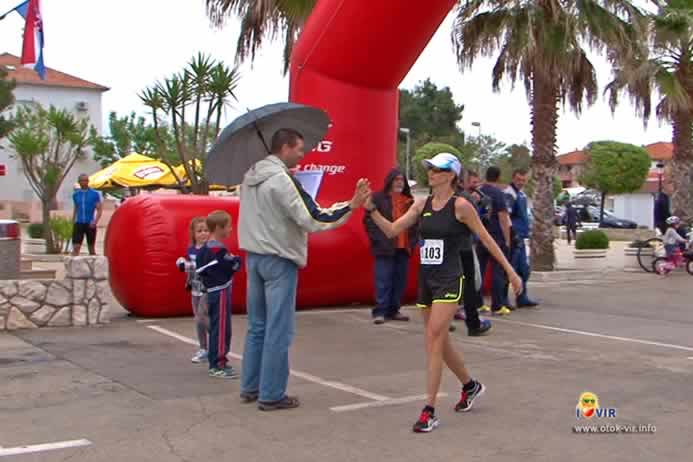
column 588, row 407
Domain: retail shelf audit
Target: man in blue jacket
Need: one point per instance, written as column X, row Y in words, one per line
column 519, row 216
column 86, row 202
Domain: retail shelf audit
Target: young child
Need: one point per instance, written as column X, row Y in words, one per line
column 198, row 236
column 216, row 267
column 672, row 239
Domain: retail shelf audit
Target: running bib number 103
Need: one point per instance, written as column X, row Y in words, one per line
column 432, row 252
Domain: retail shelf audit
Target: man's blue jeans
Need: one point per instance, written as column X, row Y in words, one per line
column 390, row 283
column 499, row 289
column 271, row 302
column 520, row 264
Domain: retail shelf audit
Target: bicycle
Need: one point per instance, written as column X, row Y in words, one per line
column 649, row 251
column 682, row 258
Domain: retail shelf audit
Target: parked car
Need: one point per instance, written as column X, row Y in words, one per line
column 590, row 214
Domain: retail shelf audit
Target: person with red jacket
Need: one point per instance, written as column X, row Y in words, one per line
column 391, row 255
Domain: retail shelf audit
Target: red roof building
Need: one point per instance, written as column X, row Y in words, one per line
column 27, row 76
column 571, row 165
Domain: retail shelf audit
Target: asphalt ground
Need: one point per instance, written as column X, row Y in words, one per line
column 128, row 391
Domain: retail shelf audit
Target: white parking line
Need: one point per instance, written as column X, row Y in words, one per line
column 330, row 311
column 5, row 452
column 299, row 374
column 389, row 402
column 594, row 334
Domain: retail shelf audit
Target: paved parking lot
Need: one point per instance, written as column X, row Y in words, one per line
column 128, row 391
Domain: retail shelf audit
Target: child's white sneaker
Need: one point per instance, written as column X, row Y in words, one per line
column 200, row 356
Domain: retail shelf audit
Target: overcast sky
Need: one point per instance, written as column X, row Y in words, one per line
column 127, row 45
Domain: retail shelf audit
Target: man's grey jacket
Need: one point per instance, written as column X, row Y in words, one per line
column 276, row 213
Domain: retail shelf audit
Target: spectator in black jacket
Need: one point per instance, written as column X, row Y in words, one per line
column 391, row 255
column 572, row 220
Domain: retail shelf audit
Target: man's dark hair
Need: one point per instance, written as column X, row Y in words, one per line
column 492, row 174
column 520, row 171
column 472, row 173
column 284, row 136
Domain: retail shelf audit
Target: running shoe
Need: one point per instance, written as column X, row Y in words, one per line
column 248, row 397
column 459, row 315
column 484, row 309
column 200, row 356
column 225, row 373
column 502, row 311
column 468, row 397
column 426, row 423
column 483, row 329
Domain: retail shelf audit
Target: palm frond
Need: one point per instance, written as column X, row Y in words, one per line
column 261, row 21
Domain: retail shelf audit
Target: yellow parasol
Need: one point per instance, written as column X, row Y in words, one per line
column 133, row 171
column 140, row 171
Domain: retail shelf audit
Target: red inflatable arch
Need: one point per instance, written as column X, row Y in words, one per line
column 347, row 63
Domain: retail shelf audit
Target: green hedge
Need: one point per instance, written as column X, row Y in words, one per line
column 35, row 230
column 592, row 240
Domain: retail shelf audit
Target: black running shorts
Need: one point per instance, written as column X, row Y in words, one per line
column 79, row 230
column 439, row 289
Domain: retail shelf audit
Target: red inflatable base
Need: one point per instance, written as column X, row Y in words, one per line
column 148, row 233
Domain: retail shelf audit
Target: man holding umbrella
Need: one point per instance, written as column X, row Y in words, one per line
column 276, row 215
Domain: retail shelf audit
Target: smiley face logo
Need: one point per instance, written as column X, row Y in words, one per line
column 587, row 405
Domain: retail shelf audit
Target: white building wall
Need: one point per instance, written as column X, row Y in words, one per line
column 14, row 186
column 638, row 207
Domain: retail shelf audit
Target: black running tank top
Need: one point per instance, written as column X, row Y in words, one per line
column 442, row 237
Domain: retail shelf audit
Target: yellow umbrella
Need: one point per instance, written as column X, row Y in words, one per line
column 140, row 171
column 132, row 171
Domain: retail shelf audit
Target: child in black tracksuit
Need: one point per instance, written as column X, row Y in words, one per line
column 216, row 267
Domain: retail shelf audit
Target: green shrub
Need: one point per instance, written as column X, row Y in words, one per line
column 61, row 228
column 592, row 240
column 427, row 151
column 35, row 230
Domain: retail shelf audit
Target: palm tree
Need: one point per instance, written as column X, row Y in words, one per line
column 667, row 66
column 203, row 81
column 262, row 19
column 542, row 42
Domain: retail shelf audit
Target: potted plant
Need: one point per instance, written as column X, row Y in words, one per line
column 35, row 244
column 590, row 249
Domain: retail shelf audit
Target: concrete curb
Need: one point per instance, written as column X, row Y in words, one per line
column 573, row 275
column 50, row 258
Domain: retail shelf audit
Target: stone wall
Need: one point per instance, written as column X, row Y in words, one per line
column 81, row 299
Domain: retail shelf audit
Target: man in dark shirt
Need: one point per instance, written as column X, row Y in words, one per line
column 662, row 211
column 494, row 216
column 471, row 297
column 519, row 216
column 572, row 219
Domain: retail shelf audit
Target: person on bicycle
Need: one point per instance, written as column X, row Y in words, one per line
column 672, row 238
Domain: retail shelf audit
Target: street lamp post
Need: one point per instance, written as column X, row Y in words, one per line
column 660, row 171
column 477, row 125
column 406, row 168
